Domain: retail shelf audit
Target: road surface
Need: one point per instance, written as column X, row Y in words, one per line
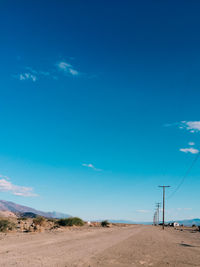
column 103, row 247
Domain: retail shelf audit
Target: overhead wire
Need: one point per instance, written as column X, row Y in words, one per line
column 184, row 176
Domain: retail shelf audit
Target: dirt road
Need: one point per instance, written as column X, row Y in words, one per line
column 103, row 247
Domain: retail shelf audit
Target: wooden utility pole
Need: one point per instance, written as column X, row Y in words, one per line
column 154, row 219
column 164, row 186
column 158, row 210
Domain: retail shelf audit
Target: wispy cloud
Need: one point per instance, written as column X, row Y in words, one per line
column 7, row 186
column 180, row 209
column 33, row 75
column 91, row 166
column 27, row 76
column 192, row 126
column 191, row 143
column 143, row 211
column 67, row 68
column 189, row 150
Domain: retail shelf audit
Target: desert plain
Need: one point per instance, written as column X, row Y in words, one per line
column 120, row 246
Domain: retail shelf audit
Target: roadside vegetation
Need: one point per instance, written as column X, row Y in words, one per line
column 39, row 220
column 6, row 225
column 71, row 221
column 22, row 219
column 105, row 223
column 38, row 224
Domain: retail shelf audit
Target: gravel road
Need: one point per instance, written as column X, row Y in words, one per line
column 103, row 247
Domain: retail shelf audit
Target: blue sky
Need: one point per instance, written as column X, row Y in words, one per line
column 100, row 105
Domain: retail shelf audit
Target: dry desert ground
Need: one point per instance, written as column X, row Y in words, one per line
column 135, row 245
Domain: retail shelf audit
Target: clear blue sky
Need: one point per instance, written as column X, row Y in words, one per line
column 97, row 99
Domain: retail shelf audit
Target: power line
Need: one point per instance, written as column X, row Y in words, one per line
column 184, row 176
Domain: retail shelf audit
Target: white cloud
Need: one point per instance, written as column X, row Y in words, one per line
column 73, row 71
column 31, row 74
column 190, row 150
column 192, row 126
column 67, row 68
column 143, row 211
column 7, row 186
column 27, row 76
column 89, row 165
column 181, row 209
column 38, row 73
column 191, row 143
column 64, row 65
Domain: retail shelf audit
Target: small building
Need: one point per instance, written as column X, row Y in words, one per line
column 175, row 224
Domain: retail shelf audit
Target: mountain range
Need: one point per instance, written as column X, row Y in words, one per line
column 20, row 209
column 187, row 222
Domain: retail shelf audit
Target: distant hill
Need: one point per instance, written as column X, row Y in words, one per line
column 125, row 221
column 121, row 221
column 19, row 209
column 186, row 222
column 189, row 222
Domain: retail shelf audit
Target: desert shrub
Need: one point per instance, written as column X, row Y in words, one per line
column 105, row 223
column 6, row 225
column 39, row 220
column 71, row 221
column 22, row 219
column 51, row 220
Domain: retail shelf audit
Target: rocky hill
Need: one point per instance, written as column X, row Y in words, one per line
column 19, row 209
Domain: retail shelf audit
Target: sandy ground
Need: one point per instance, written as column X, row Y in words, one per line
column 90, row 247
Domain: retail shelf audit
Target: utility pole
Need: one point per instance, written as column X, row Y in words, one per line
column 158, row 210
column 154, row 219
column 163, row 186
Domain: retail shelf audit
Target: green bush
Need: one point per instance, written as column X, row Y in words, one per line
column 6, row 225
column 39, row 220
column 71, row 221
column 105, row 223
